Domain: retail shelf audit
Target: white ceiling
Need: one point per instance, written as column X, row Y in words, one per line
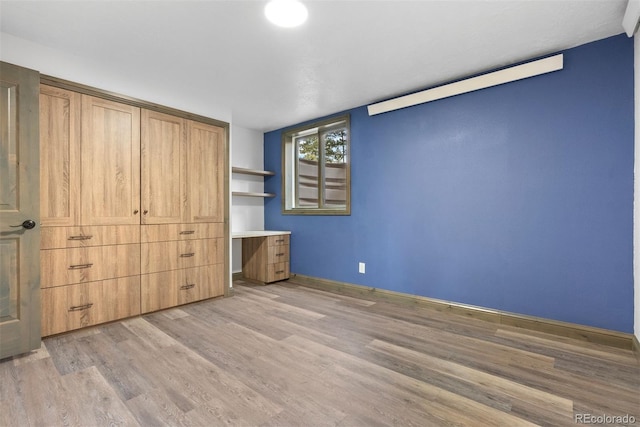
column 349, row 53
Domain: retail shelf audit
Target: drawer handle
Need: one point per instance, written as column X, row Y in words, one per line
column 188, row 232
column 280, row 254
column 189, row 286
column 81, row 307
column 280, row 241
column 279, row 271
column 80, row 237
column 80, row 266
column 189, row 255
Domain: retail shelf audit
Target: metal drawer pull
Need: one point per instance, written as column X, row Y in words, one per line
column 81, row 307
column 80, row 237
column 185, row 287
column 280, row 272
column 80, row 266
column 189, row 255
column 280, row 254
column 188, row 232
column 280, row 241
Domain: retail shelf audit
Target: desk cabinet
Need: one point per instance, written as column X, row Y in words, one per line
column 266, row 259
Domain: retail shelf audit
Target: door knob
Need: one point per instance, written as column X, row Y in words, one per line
column 28, row 224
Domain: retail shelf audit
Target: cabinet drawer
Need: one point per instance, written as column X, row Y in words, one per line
column 170, row 288
column 164, row 232
column 77, row 265
column 278, row 271
column 281, row 239
column 163, row 256
column 75, row 306
column 276, row 254
column 95, row 235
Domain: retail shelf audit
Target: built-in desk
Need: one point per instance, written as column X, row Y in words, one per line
column 265, row 255
column 256, row 233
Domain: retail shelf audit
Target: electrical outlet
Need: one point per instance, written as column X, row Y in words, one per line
column 361, row 267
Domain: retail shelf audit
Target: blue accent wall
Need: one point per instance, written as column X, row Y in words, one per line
column 517, row 197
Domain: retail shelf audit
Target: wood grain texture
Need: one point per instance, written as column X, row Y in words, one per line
column 173, row 255
column 59, row 157
column 564, row 329
column 286, row 355
column 77, row 265
column 90, row 235
column 110, row 162
column 162, row 162
column 265, row 259
column 65, row 308
column 177, row 287
column 167, row 232
column 205, row 157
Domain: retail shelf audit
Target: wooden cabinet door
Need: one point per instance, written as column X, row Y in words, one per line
column 162, row 168
column 205, row 172
column 59, row 156
column 110, row 162
column 19, row 203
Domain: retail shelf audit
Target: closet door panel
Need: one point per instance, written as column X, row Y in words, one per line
column 59, row 157
column 110, row 162
column 162, row 168
column 205, row 172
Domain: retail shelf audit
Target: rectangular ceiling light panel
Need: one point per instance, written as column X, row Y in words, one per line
column 512, row 74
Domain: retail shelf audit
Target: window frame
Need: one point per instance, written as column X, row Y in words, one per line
column 290, row 161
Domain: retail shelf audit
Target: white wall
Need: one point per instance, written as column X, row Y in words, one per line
column 106, row 75
column 636, row 198
column 247, row 213
column 117, row 78
column 246, row 145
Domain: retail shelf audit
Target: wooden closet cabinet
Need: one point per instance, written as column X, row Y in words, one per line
column 182, row 211
column 163, row 168
column 132, row 208
column 89, row 161
column 182, row 170
column 90, row 235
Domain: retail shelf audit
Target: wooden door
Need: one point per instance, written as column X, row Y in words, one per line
column 162, row 168
column 59, row 156
column 110, row 162
column 205, row 172
column 19, row 204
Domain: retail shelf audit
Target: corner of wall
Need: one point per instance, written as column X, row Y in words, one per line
column 247, row 213
column 636, row 198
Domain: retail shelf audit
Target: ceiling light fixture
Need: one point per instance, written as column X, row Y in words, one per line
column 286, row 13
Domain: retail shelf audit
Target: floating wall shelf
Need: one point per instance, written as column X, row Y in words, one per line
column 252, row 172
column 248, row 194
column 256, row 172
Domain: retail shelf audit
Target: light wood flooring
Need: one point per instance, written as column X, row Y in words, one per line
column 284, row 355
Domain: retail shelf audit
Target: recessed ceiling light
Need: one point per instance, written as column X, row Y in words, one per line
column 286, row 13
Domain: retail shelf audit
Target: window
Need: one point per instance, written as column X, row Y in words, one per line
column 315, row 161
